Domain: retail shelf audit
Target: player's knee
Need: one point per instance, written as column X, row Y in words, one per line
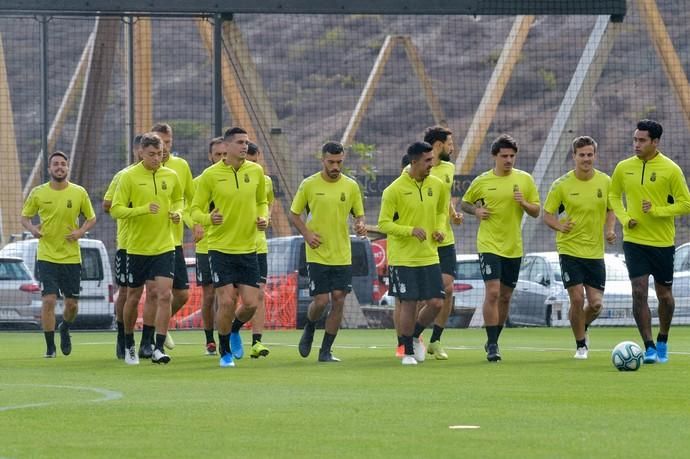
column 596, row 307
column 181, row 296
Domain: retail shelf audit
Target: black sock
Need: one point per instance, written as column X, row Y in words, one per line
column 236, row 325
column 129, row 340
column 256, row 338
column 662, row 338
column 311, row 325
column 120, row 330
column 160, row 341
column 580, row 343
column 147, row 334
column 50, row 340
column 500, row 329
column 400, row 340
column 436, row 334
column 209, row 335
column 224, row 342
column 648, row 344
column 407, row 342
column 66, row 324
column 492, row 334
column 327, row 342
column 587, row 327
column 418, row 329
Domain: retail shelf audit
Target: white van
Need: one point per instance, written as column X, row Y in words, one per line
column 96, row 307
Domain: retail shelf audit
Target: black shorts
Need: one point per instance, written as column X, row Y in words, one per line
column 643, row 260
column 448, row 261
column 59, row 279
column 416, row 283
column 262, row 259
column 586, row 271
column 495, row 266
column 327, row 278
column 142, row 268
column 121, row 268
column 234, row 269
column 203, row 270
column 180, row 277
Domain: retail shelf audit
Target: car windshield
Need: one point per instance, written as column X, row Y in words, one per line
column 468, row 269
column 556, row 267
column 13, row 270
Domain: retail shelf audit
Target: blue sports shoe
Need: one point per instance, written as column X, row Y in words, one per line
column 236, row 345
column 651, row 356
column 226, row 361
column 662, row 351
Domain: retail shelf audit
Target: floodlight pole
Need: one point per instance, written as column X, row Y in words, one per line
column 129, row 27
column 217, row 75
column 43, row 44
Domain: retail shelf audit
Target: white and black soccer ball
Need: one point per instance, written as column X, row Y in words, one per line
column 627, row 356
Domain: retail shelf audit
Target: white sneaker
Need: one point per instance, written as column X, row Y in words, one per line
column 131, row 356
column 581, row 353
column 409, row 360
column 159, row 357
column 169, row 343
column 419, row 350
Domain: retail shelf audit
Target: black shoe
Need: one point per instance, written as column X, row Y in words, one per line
column 65, row 339
column 306, row 340
column 492, row 354
column 120, row 347
column 327, row 357
column 145, row 350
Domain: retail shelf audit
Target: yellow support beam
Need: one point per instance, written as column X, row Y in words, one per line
column 429, row 94
column 143, row 79
column 484, row 115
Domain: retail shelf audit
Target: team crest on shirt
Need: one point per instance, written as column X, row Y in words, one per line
column 342, row 197
column 599, row 193
column 429, row 192
column 653, row 177
column 69, row 203
column 246, row 178
column 447, row 178
column 164, row 185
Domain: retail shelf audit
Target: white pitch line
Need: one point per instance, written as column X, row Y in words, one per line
column 463, row 427
column 107, row 395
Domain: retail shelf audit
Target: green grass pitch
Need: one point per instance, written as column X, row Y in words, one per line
column 537, row 403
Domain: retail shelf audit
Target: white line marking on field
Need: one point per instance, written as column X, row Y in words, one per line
column 463, row 427
column 106, row 395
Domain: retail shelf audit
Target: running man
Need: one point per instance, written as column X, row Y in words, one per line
column 655, row 192
column 499, row 198
column 329, row 197
column 582, row 194
column 58, row 204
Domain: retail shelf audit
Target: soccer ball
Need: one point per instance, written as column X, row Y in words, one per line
column 627, row 356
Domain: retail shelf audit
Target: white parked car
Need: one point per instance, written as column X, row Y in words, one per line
column 96, row 307
column 20, row 294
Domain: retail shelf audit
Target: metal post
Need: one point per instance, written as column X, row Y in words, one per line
column 130, row 87
column 217, row 75
column 43, row 48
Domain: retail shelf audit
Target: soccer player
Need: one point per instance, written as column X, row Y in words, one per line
column 180, row 288
column 217, row 150
column 258, row 349
column 237, row 189
column 499, row 198
column 149, row 196
column 329, row 198
column 58, row 204
column 655, row 192
column 441, row 141
column 414, row 209
column 120, row 256
column 582, row 194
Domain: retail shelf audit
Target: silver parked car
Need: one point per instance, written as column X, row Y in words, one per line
column 540, row 298
column 20, row 293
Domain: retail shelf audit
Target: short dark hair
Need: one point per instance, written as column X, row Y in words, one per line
column 333, row 148
column 653, row 127
column 503, row 141
column 583, row 141
column 231, row 131
column 150, row 140
column 163, row 128
column 404, row 161
column 252, row 149
column 214, row 141
column 57, row 153
column 417, row 149
column 435, row 134
column 137, row 140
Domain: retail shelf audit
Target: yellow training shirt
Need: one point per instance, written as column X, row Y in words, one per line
column 59, row 212
column 184, row 175
column 328, row 205
column 121, row 223
column 261, row 241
